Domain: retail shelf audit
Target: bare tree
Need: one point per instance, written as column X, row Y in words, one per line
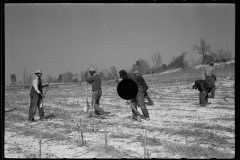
column 82, row 75
column 106, row 74
column 221, row 54
column 13, row 78
column 59, row 78
column 113, row 71
column 203, row 48
column 76, row 76
column 214, row 56
column 229, row 55
column 25, row 76
column 30, row 78
column 49, row 78
column 142, row 66
column 157, row 59
column 67, row 77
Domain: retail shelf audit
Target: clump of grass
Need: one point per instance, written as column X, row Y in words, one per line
column 40, row 146
column 121, row 135
column 80, row 134
column 195, row 151
column 146, row 153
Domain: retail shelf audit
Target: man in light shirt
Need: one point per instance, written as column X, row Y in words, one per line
column 210, row 75
column 36, row 96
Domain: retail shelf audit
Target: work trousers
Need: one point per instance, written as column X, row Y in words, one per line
column 139, row 101
column 35, row 102
column 212, row 80
column 203, row 99
column 96, row 102
column 150, row 102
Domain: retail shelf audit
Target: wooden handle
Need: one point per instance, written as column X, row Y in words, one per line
column 87, row 92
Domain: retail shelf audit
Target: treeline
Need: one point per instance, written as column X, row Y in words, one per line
column 220, row 55
column 143, row 66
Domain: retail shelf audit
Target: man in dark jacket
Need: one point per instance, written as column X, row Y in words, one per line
column 204, row 87
column 136, row 101
column 36, row 96
column 95, row 80
column 210, row 75
column 144, row 86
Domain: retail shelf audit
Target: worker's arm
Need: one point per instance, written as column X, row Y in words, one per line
column 35, row 85
column 90, row 79
column 117, row 80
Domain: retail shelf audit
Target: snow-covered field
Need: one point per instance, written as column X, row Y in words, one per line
column 179, row 127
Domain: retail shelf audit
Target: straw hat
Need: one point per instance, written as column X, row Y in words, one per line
column 38, row 71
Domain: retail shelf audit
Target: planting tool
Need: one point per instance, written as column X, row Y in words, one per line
column 86, row 108
column 134, row 108
column 44, row 95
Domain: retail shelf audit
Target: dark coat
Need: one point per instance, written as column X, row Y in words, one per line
column 95, row 80
column 142, row 82
column 203, row 85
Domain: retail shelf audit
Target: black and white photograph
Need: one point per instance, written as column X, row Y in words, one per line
column 119, row 80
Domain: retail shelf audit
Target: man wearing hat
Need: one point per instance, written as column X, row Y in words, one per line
column 95, row 80
column 210, row 75
column 204, row 88
column 36, row 96
column 138, row 100
column 144, row 86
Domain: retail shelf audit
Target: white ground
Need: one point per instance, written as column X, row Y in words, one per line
column 179, row 127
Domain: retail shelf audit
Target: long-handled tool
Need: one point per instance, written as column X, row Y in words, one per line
column 41, row 104
column 86, row 108
column 133, row 108
column 44, row 95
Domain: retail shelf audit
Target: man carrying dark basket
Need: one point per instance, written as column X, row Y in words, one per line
column 138, row 100
column 204, row 87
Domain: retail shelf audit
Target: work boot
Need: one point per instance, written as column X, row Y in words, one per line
column 139, row 119
column 32, row 120
column 133, row 120
column 102, row 117
column 150, row 102
column 147, row 119
column 212, row 96
column 90, row 114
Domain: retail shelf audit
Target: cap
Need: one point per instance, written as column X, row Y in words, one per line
column 38, row 71
column 136, row 72
column 91, row 69
column 122, row 73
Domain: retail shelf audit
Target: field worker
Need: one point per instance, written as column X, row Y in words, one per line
column 138, row 100
column 209, row 74
column 144, row 86
column 36, row 96
column 204, row 87
column 95, row 80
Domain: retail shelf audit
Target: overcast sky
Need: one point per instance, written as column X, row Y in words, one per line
column 68, row 37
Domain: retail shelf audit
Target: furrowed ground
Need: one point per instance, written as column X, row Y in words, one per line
column 179, row 127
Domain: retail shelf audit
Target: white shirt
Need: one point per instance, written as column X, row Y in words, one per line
column 35, row 85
